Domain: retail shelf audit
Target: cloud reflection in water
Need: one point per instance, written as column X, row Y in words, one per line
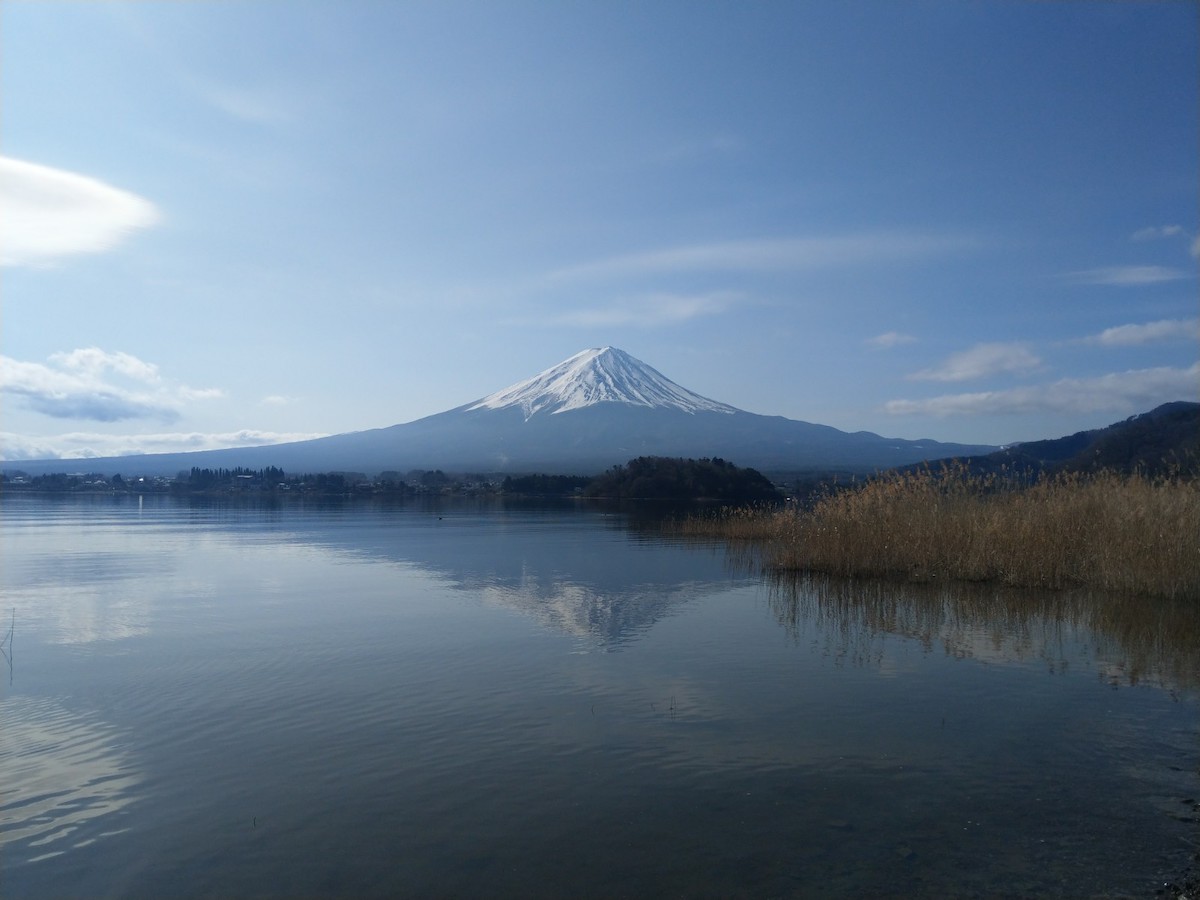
column 62, row 773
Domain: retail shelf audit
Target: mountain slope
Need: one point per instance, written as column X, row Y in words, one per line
column 1164, row 439
column 599, row 408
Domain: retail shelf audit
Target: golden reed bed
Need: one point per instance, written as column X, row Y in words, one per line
column 1127, row 533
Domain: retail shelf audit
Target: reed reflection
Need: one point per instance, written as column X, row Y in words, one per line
column 1127, row 640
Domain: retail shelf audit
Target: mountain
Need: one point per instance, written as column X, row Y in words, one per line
column 597, row 409
column 605, row 375
column 1165, row 439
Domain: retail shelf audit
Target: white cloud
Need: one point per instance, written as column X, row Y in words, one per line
column 93, row 384
column 94, row 361
column 649, row 310
column 19, row 446
column 980, row 361
column 890, row 339
column 88, row 445
column 277, row 400
column 47, row 214
column 1132, row 391
column 1131, row 335
column 1128, row 276
column 1158, row 232
column 765, row 255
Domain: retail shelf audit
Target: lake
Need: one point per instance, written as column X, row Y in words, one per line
column 208, row 699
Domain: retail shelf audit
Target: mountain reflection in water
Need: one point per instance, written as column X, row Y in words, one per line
column 563, row 578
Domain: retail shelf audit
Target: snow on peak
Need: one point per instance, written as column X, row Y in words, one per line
column 599, row 375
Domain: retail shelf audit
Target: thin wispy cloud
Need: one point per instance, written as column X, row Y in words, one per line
column 981, row 361
column 47, row 214
column 89, row 445
column 649, row 311
column 277, row 400
column 890, row 339
column 1165, row 232
column 1146, row 333
column 1158, row 232
column 767, row 255
column 1134, row 390
column 96, row 385
column 1127, row 276
column 254, row 106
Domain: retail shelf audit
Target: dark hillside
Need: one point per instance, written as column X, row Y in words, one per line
column 1164, row 440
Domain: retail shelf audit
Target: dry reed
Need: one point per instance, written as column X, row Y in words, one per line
column 1126, row 533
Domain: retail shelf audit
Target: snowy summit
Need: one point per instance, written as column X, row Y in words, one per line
column 599, row 375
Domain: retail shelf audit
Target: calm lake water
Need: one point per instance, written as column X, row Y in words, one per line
column 205, row 699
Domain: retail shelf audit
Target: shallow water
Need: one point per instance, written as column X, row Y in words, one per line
column 468, row 699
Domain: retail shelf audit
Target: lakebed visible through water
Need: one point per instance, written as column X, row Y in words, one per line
column 472, row 699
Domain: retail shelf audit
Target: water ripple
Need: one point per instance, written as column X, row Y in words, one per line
column 64, row 773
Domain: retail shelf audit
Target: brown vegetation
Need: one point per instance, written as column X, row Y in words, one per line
column 1126, row 533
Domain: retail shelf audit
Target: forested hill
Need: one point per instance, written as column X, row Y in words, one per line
column 661, row 477
column 1166, row 439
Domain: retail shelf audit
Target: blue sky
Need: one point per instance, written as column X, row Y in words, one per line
column 225, row 223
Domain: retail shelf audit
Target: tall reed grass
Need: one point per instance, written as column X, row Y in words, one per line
column 1127, row 533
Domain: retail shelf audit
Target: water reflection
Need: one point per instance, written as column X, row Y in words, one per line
column 555, row 565
column 1126, row 641
column 607, row 618
column 6, row 646
column 97, row 586
column 128, row 562
column 338, row 700
column 63, row 773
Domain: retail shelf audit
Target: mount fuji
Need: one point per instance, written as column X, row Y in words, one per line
column 599, row 408
column 605, row 375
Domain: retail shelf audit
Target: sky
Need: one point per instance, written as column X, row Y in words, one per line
column 230, row 222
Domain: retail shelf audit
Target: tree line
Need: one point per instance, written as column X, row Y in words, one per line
column 646, row 477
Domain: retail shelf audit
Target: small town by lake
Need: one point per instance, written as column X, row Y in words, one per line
column 466, row 697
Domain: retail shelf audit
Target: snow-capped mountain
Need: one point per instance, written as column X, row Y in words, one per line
column 597, row 409
column 601, row 375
